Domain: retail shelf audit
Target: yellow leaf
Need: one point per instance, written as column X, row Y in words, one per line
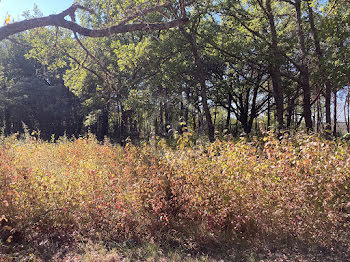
column 7, row 20
column 9, row 239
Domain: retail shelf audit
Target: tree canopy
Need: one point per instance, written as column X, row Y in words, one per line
column 224, row 67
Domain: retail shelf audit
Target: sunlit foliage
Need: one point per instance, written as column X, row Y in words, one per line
column 269, row 189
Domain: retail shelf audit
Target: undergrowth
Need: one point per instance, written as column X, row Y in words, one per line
column 193, row 196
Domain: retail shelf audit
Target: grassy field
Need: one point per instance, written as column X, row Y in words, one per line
column 259, row 200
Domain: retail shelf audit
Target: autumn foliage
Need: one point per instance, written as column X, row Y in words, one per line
column 264, row 188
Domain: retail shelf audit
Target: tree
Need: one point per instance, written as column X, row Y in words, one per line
column 254, row 18
column 27, row 96
column 100, row 77
column 255, row 59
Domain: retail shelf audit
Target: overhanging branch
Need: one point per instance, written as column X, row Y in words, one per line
column 60, row 21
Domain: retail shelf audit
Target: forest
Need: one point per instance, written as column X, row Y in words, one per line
column 235, row 66
column 180, row 130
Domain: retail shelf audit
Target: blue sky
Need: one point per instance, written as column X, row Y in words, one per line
column 16, row 7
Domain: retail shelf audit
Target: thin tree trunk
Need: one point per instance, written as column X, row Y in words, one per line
column 187, row 111
column 104, row 122
column 335, row 113
column 186, row 115
column 348, row 98
column 313, row 110
column 319, row 115
column 200, row 118
column 268, row 107
column 166, row 115
column 7, row 129
column 253, row 108
column 319, row 54
column 215, row 114
column 228, row 118
column 201, row 79
column 275, row 68
column 208, row 118
column 328, row 96
column 124, row 124
column 346, row 112
column 194, row 120
column 304, row 72
column 156, row 126
column 161, row 118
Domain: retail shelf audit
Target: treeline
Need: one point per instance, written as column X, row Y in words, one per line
column 236, row 66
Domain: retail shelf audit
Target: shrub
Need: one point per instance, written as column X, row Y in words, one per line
column 269, row 188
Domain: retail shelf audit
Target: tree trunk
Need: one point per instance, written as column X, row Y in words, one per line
column 194, row 120
column 167, row 116
column 123, row 124
column 187, row 111
column 290, row 111
column 319, row 115
column 228, row 118
column 186, row 115
column 200, row 118
column 304, row 69
column 161, row 119
column 275, row 70
column 268, row 107
column 319, row 54
column 201, row 78
column 208, row 118
column 156, row 127
column 347, row 111
column 328, row 96
column 335, row 113
column 7, row 129
column 215, row 114
column 103, row 124
column 253, row 108
column 243, row 118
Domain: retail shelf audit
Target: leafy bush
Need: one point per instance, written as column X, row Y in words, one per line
column 268, row 188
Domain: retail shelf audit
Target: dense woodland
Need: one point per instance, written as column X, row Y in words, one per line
column 233, row 67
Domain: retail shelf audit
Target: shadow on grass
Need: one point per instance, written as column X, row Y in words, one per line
column 53, row 247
